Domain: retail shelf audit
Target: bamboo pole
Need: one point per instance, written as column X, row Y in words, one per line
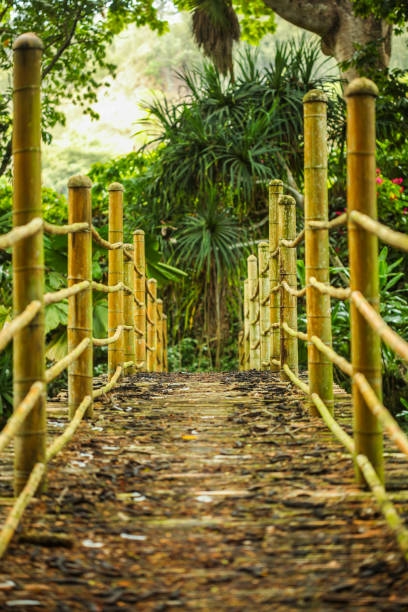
column 241, row 355
column 363, row 257
column 246, row 325
column 275, row 191
column 254, row 337
column 318, row 312
column 264, row 304
column 115, row 275
column 28, row 259
column 287, row 273
column 140, row 294
column 151, row 323
column 129, row 316
column 165, row 361
column 80, row 372
column 159, row 336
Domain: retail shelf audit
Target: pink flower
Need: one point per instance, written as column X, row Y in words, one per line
column 379, row 180
column 405, row 211
column 377, row 170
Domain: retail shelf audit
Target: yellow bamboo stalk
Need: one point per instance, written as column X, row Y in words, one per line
column 20, row 233
column 129, row 315
column 59, row 442
column 27, row 493
column 275, row 191
column 151, row 324
column 287, row 273
column 63, row 363
column 254, row 336
column 80, row 371
column 159, row 336
column 318, row 312
column 19, row 322
column 106, row 388
column 363, row 257
column 63, row 294
column 264, row 305
column 115, row 275
column 377, row 323
column 63, row 230
column 140, row 293
column 165, row 361
column 246, row 326
column 28, row 259
column 241, row 355
column 384, row 233
column 20, row 413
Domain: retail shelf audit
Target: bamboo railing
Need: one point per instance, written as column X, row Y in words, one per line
column 27, row 426
column 368, row 328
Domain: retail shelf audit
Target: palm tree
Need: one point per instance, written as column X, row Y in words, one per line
column 215, row 29
column 206, row 244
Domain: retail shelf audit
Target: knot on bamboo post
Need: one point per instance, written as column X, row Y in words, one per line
column 361, row 87
column 275, row 183
column 78, row 181
column 315, row 95
column 28, row 40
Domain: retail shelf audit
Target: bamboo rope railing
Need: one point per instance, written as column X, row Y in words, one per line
column 370, row 417
column 27, row 425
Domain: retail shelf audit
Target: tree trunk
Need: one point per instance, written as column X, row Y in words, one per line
column 339, row 29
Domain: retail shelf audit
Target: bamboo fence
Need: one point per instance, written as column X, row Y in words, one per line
column 126, row 297
column 368, row 328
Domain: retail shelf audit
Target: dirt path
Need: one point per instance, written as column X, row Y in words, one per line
column 206, row 492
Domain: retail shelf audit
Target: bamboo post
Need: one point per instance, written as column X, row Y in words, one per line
column 318, row 314
column 80, row 372
column 287, row 272
column 254, row 337
column 165, row 363
column 129, row 315
column 241, row 351
column 151, row 324
column 115, row 275
column 28, row 259
column 159, row 336
column 363, row 257
column 264, row 304
column 140, row 295
column 275, row 191
column 246, row 325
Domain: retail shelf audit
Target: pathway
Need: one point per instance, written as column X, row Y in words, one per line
column 209, row 492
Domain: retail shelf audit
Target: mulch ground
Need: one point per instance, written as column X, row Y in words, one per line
column 205, row 492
